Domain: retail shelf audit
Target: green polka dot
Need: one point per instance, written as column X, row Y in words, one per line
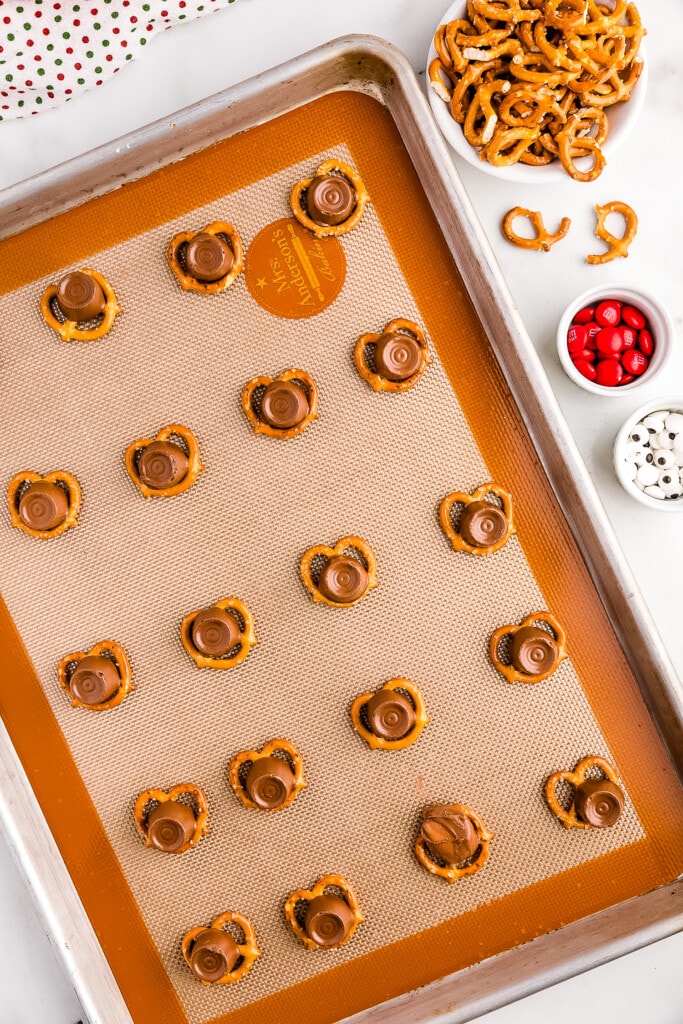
column 129, row 56
column 105, row 42
column 20, row 10
column 97, row 25
column 10, row 37
column 89, row 54
column 145, row 7
column 114, row 14
column 39, row 99
column 66, row 35
column 27, row 25
column 181, row 17
column 81, row 81
column 76, row 8
column 98, row 71
column 50, row 47
column 58, row 61
column 9, row 78
column 58, row 18
column 20, row 103
column 41, row 71
column 142, row 42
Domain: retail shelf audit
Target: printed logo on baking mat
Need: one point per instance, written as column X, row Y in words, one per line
column 292, row 274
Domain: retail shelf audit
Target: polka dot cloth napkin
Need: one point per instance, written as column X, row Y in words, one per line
column 50, row 51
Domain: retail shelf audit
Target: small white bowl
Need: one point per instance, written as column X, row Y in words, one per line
column 621, row 117
column 660, row 323
column 672, row 404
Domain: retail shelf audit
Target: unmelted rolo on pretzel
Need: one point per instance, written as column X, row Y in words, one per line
column 529, row 80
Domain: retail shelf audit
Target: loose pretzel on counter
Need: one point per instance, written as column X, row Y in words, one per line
column 543, row 240
column 160, row 796
column 326, row 882
column 249, row 950
column 339, row 548
column 617, row 246
column 259, row 425
column 378, row 742
column 569, row 818
column 462, row 497
column 297, row 199
column 377, row 382
column 246, row 641
column 297, row 764
column 512, row 674
column 69, row 330
column 58, row 476
column 194, row 467
column 451, row 872
column 122, row 666
column 191, row 284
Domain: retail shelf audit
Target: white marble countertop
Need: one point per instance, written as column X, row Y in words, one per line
column 189, row 63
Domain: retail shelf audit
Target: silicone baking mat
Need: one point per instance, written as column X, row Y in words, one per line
column 373, row 465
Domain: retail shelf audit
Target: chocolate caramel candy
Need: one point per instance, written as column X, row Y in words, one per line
column 599, row 802
column 448, row 834
column 397, row 356
column 215, row 632
column 533, row 651
column 482, row 523
column 170, row 825
column 208, row 258
column 269, row 782
column 330, row 199
column 214, row 953
column 391, row 716
column 80, row 296
column 328, row 921
column 284, row 404
column 43, row 505
column 343, row 580
column 162, row 464
column 94, row 680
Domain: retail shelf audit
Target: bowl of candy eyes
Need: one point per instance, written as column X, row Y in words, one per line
column 613, row 339
column 648, row 454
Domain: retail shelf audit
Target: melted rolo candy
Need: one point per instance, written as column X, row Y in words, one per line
column 269, row 782
column 80, row 296
column 94, row 680
column 449, row 835
column 599, row 802
column 170, row 825
column 215, row 632
column 482, row 523
column 214, row 953
column 43, row 505
column 391, row 716
column 284, row 405
column 162, row 464
column 397, row 356
column 208, row 258
column 330, row 200
column 533, row 651
column 329, row 920
column 343, row 580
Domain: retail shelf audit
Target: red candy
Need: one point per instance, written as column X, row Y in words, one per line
column 627, row 378
column 609, row 373
column 593, row 330
column 577, row 337
column 645, row 343
column 608, row 313
column 608, row 341
column 588, row 354
column 635, row 362
column 628, row 336
column 584, row 315
column 633, row 317
column 585, row 369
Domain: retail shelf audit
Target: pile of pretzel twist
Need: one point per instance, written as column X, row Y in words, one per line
column 530, row 80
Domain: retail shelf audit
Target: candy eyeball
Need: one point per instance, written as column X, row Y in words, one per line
column 670, row 483
column 654, row 423
column 663, row 440
column 647, row 475
column 640, row 435
column 678, row 455
column 663, row 458
column 655, row 491
column 631, row 469
column 674, row 422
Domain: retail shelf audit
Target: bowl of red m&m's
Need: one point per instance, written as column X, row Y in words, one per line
column 613, row 339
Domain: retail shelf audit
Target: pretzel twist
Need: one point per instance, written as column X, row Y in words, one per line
column 543, row 240
column 378, row 742
column 512, row 674
column 246, row 641
column 297, row 199
column 160, row 796
column 339, row 548
column 617, row 246
column 194, row 467
column 122, row 663
column 69, row 329
column 259, row 425
column 480, row 494
column 379, row 383
column 297, row 764
column 569, row 818
column 191, row 284
column 326, row 882
column 248, row 948
column 58, row 476
column 451, row 872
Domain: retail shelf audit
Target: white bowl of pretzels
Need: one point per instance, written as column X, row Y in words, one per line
column 535, row 90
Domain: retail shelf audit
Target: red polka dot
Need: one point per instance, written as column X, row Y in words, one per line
column 51, row 95
column 37, row 14
column 149, row 28
column 7, row 20
column 29, row 42
column 78, row 67
column 164, row 14
column 5, row 106
column 46, row 31
column 94, row 10
column 57, row 7
column 115, row 31
column 181, row 3
column 28, row 82
column 67, row 92
column 69, row 49
column 60, row 77
column 20, row 67
column 133, row 19
column 98, row 82
column 85, row 39
column 124, row 43
column 76, row 22
column 109, row 57
column 37, row 57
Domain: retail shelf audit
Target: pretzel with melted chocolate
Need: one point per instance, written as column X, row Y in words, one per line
column 271, row 783
column 345, row 580
column 188, row 833
column 44, row 509
column 596, row 803
column 331, row 920
column 400, row 353
column 102, row 682
column 348, row 202
column 100, row 300
column 214, row 256
column 484, row 527
column 531, row 646
column 617, row 246
column 395, row 721
column 222, row 633
column 287, row 408
column 453, row 841
column 543, row 240
column 207, row 951
column 174, row 470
